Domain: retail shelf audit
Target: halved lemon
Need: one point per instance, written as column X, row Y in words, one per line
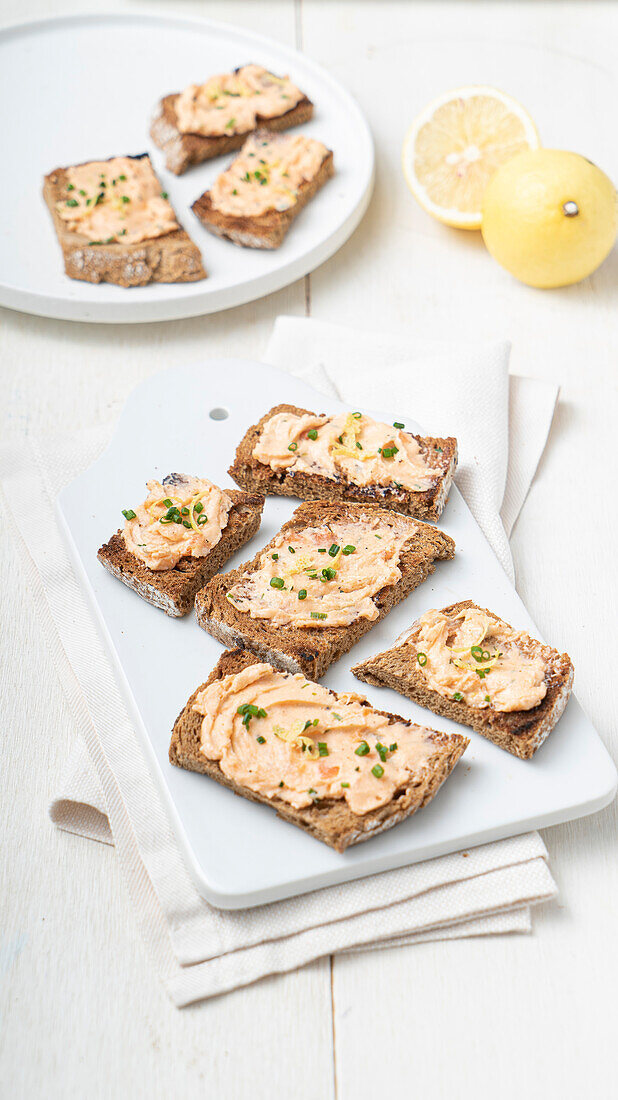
column 456, row 144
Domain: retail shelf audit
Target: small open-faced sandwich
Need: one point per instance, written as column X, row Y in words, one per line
column 214, row 118
column 178, row 538
column 299, row 453
column 254, row 202
column 332, row 572
column 329, row 763
column 115, row 224
column 466, row 663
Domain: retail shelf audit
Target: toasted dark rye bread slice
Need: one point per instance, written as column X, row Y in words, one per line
column 184, row 150
column 264, row 230
column 519, row 732
column 256, row 477
column 173, row 590
column 173, row 258
column 330, row 820
column 312, row 649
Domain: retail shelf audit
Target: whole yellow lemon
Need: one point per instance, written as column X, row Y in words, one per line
column 549, row 217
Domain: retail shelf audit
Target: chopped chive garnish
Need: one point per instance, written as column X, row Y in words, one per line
column 398, row 424
column 345, row 784
column 348, row 549
column 184, row 511
column 128, row 513
column 201, row 520
column 333, row 550
column 125, row 198
column 422, row 659
column 357, row 415
column 381, row 751
column 457, row 696
column 362, row 749
column 261, row 740
column 302, row 595
column 337, row 716
column 164, row 195
column 72, row 202
column 185, row 523
column 167, row 502
column 377, row 770
column 291, row 550
column 277, row 582
column 359, row 445
column 393, row 747
column 70, row 186
column 199, row 507
column 123, row 178
column 293, row 447
column 235, row 192
column 312, row 434
column 323, row 748
column 318, row 615
column 329, row 574
column 281, row 783
column 487, row 699
column 275, row 557
column 388, row 452
column 314, row 794
column 322, row 550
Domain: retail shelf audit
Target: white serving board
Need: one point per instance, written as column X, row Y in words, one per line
column 240, row 853
column 86, row 86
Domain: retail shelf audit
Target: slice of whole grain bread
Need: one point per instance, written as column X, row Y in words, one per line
column 312, row 649
column 519, row 732
column 172, row 258
column 184, row 150
column 329, row 820
column 263, row 230
column 173, row 590
column 256, row 477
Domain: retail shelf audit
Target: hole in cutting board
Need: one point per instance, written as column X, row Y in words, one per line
column 218, row 414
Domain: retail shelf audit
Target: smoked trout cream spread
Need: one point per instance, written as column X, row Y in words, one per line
column 116, row 200
column 478, row 659
column 286, row 737
column 183, row 517
column 327, row 575
column 351, row 446
column 231, row 103
column 267, row 174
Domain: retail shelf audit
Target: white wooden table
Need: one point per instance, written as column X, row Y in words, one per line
column 82, row 1012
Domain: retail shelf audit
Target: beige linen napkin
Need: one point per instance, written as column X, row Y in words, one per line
column 108, row 793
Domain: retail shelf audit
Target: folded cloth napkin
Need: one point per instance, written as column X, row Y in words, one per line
column 108, row 793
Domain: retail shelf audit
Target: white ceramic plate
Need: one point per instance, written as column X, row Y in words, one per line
column 240, row 853
column 86, row 87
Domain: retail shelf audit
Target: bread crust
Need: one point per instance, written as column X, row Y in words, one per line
column 172, row 258
column 330, row 820
column 184, row 150
column 173, row 590
column 311, row 650
column 519, row 732
column 255, row 476
column 266, row 230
